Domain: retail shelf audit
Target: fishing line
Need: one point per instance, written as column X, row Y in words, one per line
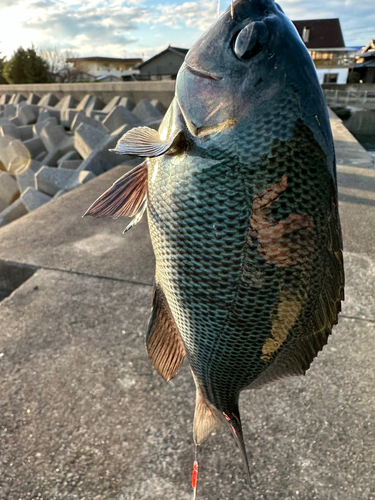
column 194, row 476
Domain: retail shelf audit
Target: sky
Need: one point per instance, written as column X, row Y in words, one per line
column 142, row 28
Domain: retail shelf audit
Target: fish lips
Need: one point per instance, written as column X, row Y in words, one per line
column 202, row 74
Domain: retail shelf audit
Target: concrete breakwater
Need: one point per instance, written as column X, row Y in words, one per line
column 49, row 146
column 163, row 91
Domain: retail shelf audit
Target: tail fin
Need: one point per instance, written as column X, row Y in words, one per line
column 207, row 418
column 234, row 422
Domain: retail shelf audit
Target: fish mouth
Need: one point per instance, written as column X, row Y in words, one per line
column 203, row 74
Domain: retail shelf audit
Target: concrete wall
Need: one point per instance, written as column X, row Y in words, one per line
column 166, row 64
column 161, row 90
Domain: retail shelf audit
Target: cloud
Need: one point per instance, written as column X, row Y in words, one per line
column 69, row 21
column 135, row 27
column 92, row 26
column 8, row 3
column 192, row 14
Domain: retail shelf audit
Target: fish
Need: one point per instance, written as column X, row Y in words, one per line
column 239, row 184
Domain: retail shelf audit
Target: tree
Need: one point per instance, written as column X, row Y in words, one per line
column 2, row 61
column 60, row 70
column 26, row 67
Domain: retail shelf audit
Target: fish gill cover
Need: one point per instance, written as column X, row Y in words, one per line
column 239, row 183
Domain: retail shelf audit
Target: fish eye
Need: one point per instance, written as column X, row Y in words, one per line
column 249, row 41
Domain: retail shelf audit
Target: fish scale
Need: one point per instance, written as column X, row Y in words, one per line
column 241, row 195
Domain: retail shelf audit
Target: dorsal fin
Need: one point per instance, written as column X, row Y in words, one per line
column 145, row 141
column 163, row 341
column 127, row 196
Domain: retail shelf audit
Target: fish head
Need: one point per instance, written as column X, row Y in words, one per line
column 249, row 57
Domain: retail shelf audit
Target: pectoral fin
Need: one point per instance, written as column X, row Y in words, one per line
column 127, row 196
column 145, row 141
column 163, row 342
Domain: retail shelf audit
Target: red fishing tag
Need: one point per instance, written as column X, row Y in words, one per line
column 194, row 475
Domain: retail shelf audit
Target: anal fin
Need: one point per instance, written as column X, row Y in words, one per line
column 206, row 418
column 163, row 341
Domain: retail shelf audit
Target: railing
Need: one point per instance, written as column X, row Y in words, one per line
column 361, row 98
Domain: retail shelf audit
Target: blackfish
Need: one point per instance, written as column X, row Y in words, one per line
column 240, row 189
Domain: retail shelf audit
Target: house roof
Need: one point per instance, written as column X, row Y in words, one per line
column 323, row 33
column 366, row 64
column 105, row 77
column 136, row 60
column 177, row 50
column 369, row 49
column 366, row 58
column 367, row 55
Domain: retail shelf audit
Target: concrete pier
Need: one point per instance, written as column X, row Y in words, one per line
column 83, row 416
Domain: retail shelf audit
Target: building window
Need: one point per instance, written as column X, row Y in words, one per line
column 330, row 78
column 306, row 34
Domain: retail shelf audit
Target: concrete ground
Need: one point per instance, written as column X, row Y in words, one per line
column 84, row 416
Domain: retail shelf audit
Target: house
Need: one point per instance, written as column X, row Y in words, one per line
column 162, row 66
column 325, row 43
column 365, row 63
column 108, row 78
column 100, row 67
